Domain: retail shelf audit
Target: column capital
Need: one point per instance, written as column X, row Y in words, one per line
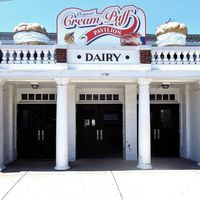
column 144, row 81
column 61, row 81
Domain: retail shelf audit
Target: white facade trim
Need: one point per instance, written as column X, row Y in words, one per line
column 10, row 123
column 2, row 147
column 130, row 123
column 188, row 122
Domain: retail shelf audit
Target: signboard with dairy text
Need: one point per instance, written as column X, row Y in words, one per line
column 122, row 26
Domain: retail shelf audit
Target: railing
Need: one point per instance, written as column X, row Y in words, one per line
column 45, row 54
column 176, row 55
column 33, row 54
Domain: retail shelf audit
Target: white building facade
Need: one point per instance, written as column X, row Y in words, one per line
column 158, row 113
column 65, row 102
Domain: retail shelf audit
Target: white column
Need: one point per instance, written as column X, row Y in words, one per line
column 130, row 143
column 72, row 122
column 10, row 122
column 144, row 135
column 62, row 127
column 1, row 129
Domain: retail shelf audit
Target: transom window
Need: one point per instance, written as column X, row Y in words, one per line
column 98, row 97
column 161, row 97
column 38, row 97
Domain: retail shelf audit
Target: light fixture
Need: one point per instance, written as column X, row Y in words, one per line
column 34, row 85
column 165, row 85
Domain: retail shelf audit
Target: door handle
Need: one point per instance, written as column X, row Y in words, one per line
column 101, row 134
column 38, row 135
column 97, row 134
column 158, row 134
column 154, row 134
column 42, row 135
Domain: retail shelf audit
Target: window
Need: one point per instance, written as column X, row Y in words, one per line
column 86, row 122
column 88, row 97
column 109, row 96
column 38, row 97
column 165, row 97
column 115, row 97
column 44, row 96
column 110, row 119
column 52, row 96
column 95, row 97
column 172, row 97
column 152, row 97
column 98, row 97
column 102, row 97
column 82, row 96
column 159, row 97
column 165, row 118
column 31, row 96
column 24, row 96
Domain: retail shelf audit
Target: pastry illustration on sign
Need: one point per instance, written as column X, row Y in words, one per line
column 131, row 39
column 69, row 38
column 102, row 27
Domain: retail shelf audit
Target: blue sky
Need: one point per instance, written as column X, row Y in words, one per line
column 45, row 12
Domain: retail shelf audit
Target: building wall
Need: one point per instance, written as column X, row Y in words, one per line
column 183, row 108
column 195, row 123
column 186, row 121
column 6, row 123
column 127, row 97
column 130, row 121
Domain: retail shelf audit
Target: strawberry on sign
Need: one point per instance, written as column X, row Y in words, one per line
column 114, row 25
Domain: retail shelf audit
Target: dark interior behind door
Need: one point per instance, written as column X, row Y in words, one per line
column 36, row 131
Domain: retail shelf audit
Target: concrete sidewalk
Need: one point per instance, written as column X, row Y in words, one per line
column 86, row 184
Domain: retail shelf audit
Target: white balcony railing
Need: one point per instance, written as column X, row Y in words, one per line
column 30, row 54
column 175, row 55
column 45, row 54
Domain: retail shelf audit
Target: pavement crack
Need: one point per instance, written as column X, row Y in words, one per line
column 117, row 185
column 14, row 184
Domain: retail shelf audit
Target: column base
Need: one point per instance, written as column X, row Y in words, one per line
column 61, row 168
column 2, row 167
column 144, row 166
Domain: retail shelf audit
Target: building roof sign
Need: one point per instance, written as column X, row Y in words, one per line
column 122, row 26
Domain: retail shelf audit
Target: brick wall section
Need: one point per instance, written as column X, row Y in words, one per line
column 61, row 55
column 145, row 56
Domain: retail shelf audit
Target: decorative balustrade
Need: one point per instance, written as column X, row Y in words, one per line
column 175, row 55
column 45, row 54
column 33, row 54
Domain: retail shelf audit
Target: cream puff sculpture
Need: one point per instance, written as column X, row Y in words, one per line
column 171, row 34
column 30, row 34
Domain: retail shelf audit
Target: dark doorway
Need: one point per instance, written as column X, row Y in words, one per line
column 165, row 130
column 99, row 130
column 36, row 131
